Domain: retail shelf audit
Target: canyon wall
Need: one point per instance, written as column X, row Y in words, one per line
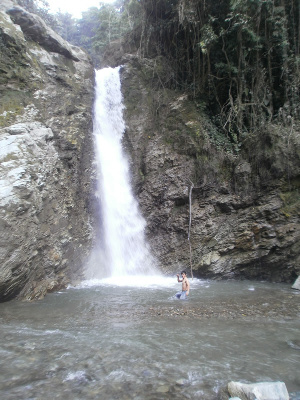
column 245, row 205
column 46, row 151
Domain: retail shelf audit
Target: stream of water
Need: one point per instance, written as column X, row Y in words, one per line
column 123, row 247
column 107, row 340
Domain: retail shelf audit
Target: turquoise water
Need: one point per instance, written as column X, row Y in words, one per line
column 111, row 342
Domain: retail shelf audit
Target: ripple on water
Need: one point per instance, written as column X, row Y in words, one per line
column 107, row 341
column 79, row 376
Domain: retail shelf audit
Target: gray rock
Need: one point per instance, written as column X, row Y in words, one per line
column 17, row 129
column 34, row 28
column 296, row 284
column 45, row 197
column 181, row 382
column 259, row 391
column 240, row 228
column 295, row 396
column 294, row 344
column 163, row 389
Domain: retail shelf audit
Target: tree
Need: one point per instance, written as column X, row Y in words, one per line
column 66, row 26
column 39, row 7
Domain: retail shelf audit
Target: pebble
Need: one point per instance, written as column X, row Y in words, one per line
column 181, row 382
column 163, row 389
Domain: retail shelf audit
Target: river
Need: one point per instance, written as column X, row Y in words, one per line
column 114, row 339
column 128, row 337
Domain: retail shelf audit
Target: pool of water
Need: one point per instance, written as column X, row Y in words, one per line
column 133, row 340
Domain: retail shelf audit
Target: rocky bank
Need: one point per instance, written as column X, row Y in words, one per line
column 46, row 151
column 245, row 206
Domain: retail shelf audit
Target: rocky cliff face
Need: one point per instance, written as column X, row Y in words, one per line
column 244, row 208
column 46, row 97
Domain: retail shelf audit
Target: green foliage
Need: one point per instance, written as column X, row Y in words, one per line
column 109, row 28
column 98, row 27
column 241, row 57
column 208, row 38
column 7, row 117
column 291, row 203
column 66, row 26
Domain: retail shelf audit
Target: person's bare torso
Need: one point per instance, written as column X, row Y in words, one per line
column 185, row 284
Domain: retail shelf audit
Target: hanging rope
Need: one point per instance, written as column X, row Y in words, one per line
column 190, row 223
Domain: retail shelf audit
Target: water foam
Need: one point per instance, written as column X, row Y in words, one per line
column 139, row 281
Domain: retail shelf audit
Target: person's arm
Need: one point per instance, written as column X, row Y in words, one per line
column 179, row 280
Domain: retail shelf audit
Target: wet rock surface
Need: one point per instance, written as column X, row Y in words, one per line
column 244, row 220
column 259, row 391
column 46, row 97
column 35, row 29
column 296, row 284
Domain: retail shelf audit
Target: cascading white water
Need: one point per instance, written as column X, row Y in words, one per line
column 125, row 251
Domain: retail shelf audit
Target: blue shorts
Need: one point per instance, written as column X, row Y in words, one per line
column 181, row 295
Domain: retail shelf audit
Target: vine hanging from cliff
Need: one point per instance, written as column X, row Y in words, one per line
column 240, row 57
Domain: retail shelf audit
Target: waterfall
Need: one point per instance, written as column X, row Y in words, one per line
column 124, row 249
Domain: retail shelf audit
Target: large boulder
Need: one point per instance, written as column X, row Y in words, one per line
column 35, row 29
column 259, row 391
column 46, row 99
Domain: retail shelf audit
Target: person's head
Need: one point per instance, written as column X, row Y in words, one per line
column 183, row 274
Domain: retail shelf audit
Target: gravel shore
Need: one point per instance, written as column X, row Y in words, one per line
column 287, row 305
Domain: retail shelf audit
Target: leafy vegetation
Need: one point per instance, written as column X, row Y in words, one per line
column 39, row 7
column 241, row 58
column 95, row 30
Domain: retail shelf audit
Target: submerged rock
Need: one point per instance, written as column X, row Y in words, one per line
column 181, row 382
column 259, row 391
column 163, row 389
column 294, row 344
column 295, row 396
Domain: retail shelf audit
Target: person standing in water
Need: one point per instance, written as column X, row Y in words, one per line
column 185, row 286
